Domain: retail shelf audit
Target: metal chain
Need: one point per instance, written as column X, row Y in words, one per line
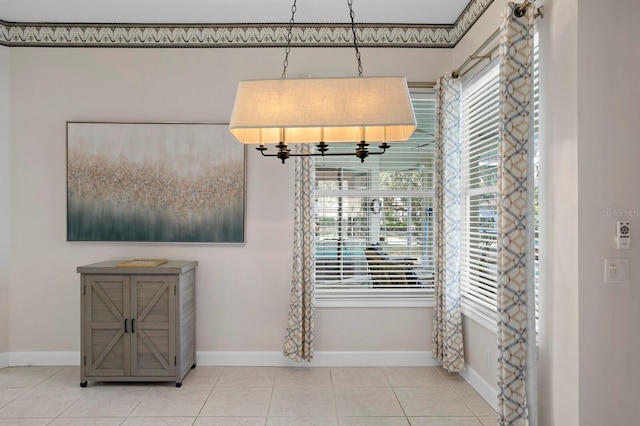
column 285, row 63
column 355, row 37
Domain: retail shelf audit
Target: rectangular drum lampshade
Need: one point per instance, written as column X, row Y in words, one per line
column 373, row 109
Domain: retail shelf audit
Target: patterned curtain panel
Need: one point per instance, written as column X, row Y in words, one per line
column 298, row 344
column 516, row 331
column 447, row 319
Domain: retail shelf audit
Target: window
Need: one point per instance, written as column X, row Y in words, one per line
column 480, row 127
column 374, row 220
column 479, row 192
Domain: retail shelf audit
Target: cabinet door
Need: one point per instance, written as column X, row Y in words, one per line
column 107, row 349
column 153, row 314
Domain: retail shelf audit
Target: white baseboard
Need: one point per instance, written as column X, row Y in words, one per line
column 486, row 391
column 320, row 359
column 4, row 360
column 249, row 358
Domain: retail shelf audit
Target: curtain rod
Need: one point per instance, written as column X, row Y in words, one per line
column 475, row 56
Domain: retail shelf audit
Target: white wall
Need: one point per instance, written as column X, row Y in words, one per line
column 478, row 340
column 608, row 155
column 4, row 200
column 558, row 366
column 243, row 291
column 589, row 339
column 484, row 27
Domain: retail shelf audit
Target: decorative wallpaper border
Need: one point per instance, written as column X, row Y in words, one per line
column 238, row 35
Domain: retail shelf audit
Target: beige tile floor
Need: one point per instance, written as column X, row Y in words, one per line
column 246, row 396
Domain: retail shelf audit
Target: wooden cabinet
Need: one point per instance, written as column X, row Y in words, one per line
column 137, row 324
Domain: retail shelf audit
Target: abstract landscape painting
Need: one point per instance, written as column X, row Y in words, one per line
column 154, row 182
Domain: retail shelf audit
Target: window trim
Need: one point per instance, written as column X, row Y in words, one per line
column 479, row 317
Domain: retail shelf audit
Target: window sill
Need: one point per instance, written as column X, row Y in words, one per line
column 352, row 299
column 483, row 319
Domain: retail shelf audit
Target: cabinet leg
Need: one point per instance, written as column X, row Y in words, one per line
column 83, row 384
column 178, row 384
column 194, row 365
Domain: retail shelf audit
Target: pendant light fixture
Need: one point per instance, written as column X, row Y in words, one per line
column 322, row 110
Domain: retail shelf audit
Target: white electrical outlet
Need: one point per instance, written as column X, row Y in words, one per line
column 487, row 358
column 623, row 235
column 616, row 271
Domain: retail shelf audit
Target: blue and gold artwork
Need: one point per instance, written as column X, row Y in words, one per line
column 155, row 183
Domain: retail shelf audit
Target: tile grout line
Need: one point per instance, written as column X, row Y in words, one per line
column 333, row 396
column 393, row 389
column 273, row 385
column 17, row 396
column 459, row 396
column 69, row 406
column 209, row 395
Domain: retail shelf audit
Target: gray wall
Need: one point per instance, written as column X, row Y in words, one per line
column 243, row 291
column 589, row 340
column 4, row 200
column 608, row 155
column 560, row 248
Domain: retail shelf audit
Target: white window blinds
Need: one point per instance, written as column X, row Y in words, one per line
column 480, row 115
column 374, row 219
column 480, row 122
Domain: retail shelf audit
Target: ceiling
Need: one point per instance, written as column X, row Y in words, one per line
column 437, row 12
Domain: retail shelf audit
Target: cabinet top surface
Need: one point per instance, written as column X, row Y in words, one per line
column 109, row 267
